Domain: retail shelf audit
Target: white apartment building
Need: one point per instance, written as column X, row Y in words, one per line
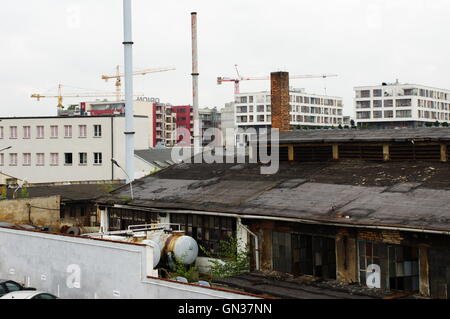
column 400, row 105
column 254, row 110
column 67, row 149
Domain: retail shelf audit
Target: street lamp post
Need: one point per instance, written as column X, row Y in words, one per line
column 131, row 181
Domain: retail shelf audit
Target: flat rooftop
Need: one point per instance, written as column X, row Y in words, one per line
column 435, row 134
column 412, row 196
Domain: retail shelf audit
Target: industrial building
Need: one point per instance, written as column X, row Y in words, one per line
column 396, row 104
column 354, row 207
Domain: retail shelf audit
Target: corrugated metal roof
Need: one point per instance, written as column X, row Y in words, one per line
column 415, row 195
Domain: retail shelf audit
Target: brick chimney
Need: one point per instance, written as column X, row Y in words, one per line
column 281, row 116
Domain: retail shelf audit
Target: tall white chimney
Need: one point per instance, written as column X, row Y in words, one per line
column 195, row 75
column 129, row 112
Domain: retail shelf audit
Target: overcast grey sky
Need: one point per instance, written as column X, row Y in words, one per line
column 72, row 42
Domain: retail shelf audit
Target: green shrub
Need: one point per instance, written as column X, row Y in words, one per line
column 233, row 259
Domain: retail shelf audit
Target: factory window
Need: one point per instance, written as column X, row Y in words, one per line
column 13, row 131
column 72, row 212
column 68, row 131
column 13, row 159
column 97, row 130
column 2, row 159
column 54, row 157
column 40, row 159
column 26, row 132
column 54, row 131
column 83, row 158
column 98, row 158
column 388, row 266
column 83, row 130
column 250, row 99
column 243, row 99
column 40, row 131
column 26, row 159
column 209, row 231
column 120, row 219
column 68, row 158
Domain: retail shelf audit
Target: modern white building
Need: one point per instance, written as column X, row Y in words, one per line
column 254, row 110
column 67, row 149
column 400, row 105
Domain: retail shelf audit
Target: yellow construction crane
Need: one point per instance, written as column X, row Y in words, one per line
column 60, row 95
column 119, row 75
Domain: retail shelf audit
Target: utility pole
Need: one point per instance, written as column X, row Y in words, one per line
column 129, row 112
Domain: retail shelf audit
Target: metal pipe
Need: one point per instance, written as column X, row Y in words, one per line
column 195, row 75
column 129, row 113
column 114, row 162
column 257, row 262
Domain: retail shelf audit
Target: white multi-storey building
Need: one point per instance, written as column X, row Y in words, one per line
column 67, row 149
column 400, row 105
column 254, row 109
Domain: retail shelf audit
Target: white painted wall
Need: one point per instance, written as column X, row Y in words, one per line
column 82, row 268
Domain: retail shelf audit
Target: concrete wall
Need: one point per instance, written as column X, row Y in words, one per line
column 74, row 267
column 43, row 211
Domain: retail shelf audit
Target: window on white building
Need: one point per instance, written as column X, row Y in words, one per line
column 68, row 158
column 1, row 131
column 26, row 132
column 54, row 131
column 403, row 113
column 83, row 130
column 13, row 159
column 98, row 158
column 2, row 159
column 40, row 159
column 27, row 159
column 13, row 131
column 97, row 130
column 68, row 131
column 388, row 114
column 40, row 132
column 83, row 158
column 54, row 159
